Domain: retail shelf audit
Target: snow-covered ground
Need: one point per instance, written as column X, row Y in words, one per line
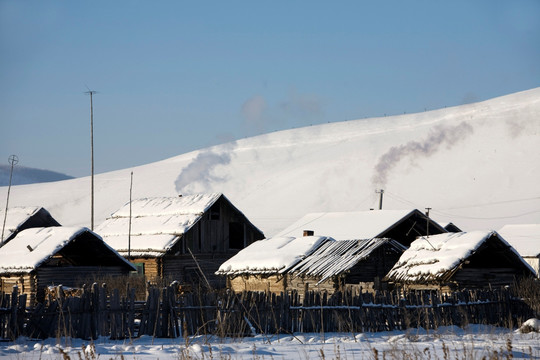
column 476, row 165
column 475, row 342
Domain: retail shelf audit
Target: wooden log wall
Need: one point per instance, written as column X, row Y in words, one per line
column 26, row 284
column 99, row 311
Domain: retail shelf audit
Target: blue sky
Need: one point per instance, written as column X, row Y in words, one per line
column 176, row 76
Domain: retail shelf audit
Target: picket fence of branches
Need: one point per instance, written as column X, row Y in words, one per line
column 98, row 311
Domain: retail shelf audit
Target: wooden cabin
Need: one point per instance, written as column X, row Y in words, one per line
column 465, row 260
column 21, row 218
column 400, row 225
column 311, row 263
column 525, row 238
column 373, row 258
column 337, row 265
column 40, row 257
column 183, row 238
column 264, row 265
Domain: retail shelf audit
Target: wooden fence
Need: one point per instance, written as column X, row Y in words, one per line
column 12, row 314
column 98, row 311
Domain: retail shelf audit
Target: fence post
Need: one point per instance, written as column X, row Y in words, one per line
column 14, row 331
column 131, row 314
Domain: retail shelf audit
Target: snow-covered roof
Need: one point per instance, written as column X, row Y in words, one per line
column 156, row 223
column 335, row 257
column 435, row 257
column 449, row 226
column 32, row 247
column 17, row 216
column 347, row 225
column 271, row 256
column 525, row 238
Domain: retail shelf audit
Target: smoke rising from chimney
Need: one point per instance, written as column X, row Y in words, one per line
column 439, row 136
column 199, row 175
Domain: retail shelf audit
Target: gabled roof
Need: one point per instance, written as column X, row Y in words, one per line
column 20, row 218
column 33, row 247
column 335, row 257
column 271, row 256
column 525, row 238
column 450, row 227
column 156, row 223
column 352, row 225
column 438, row 257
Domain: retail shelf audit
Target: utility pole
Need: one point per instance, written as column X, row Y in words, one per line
column 381, row 192
column 129, row 230
column 13, row 160
column 91, row 93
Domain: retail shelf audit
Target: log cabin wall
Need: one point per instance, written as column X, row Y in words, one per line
column 150, row 266
column 309, row 283
column 272, row 283
column 185, row 269
column 26, row 284
column 71, row 276
column 482, row 278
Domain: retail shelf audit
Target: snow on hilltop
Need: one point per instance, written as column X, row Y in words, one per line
column 477, row 165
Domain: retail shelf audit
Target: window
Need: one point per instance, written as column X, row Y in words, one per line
column 214, row 213
column 140, row 268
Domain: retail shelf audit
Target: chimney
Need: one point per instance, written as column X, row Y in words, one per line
column 308, row 232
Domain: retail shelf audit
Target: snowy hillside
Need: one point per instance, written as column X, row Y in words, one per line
column 477, row 165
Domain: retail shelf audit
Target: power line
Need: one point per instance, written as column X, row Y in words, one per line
column 401, row 199
column 494, row 203
column 442, row 212
column 486, row 218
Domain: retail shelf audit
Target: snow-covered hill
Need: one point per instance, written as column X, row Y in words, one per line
column 477, row 165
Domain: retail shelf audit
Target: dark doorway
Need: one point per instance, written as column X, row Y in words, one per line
column 236, row 235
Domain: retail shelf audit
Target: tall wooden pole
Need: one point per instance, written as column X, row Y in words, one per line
column 13, row 160
column 129, row 230
column 91, row 93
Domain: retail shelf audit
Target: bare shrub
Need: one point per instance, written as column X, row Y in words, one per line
column 528, row 289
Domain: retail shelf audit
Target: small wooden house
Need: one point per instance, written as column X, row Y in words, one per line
column 20, row 218
column 466, row 260
column 264, row 265
column 369, row 259
column 40, row 257
column 337, row 265
column 183, row 238
column 400, row 225
column 525, row 238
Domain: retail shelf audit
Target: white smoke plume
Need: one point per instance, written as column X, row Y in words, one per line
column 200, row 174
column 439, row 136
